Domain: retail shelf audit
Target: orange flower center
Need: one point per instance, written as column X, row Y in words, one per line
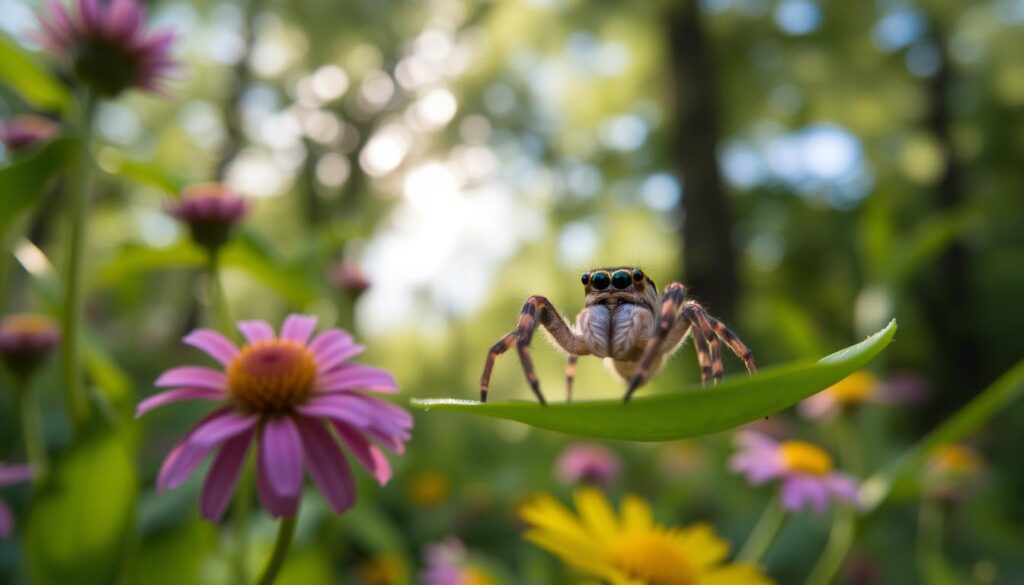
column 271, row 376
column 654, row 557
column 805, row 458
column 853, row 389
column 29, row 324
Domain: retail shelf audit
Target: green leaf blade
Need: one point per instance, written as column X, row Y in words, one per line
column 691, row 412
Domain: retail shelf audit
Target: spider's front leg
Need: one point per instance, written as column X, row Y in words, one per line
column 537, row 309
column 671, row 324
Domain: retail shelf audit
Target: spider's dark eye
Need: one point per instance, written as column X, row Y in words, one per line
column 621, row 279
column 638, row 275
column 600, row 280
column 585, row 279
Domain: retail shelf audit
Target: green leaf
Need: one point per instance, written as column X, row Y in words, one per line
column 993, row 400
column 35, row 85
column 690, row 412
column 22, row 181
column 83, row 514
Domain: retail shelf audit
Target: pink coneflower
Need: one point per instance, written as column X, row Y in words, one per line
column 210, row 210
column 349, row 278
column 25, row 130
column 587, row 463
column 11, row 474
column 25, row 341
column 805, row 471
column 446, row 564
column 285, row 394
column 107, row 45
column 863, row 388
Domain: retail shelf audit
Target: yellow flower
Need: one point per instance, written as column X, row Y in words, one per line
column 632, row 549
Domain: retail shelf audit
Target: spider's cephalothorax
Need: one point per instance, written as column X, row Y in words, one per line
column 627, row 323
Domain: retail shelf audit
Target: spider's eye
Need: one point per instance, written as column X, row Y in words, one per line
column 585, row 279
column 600, row 280
column 638, row 275
column 621, row 279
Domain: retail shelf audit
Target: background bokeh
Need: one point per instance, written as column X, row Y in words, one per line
column 810, row 169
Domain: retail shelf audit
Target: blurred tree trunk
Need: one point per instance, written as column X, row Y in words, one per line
column 709, row 256
column 948, row 301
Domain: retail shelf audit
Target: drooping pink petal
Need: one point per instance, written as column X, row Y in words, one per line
column 801, row 490
column 223, row 475
column 357, row 377
column 757, row 466
column 219, row 347
column 298, row 328
column 367, row 453
column 327, row 465
column 223, row 427
column 256, row 331
column 843, row 487
column 333, row 347
column 281, row 456
column 18, row 473
column 178, row 395
column 124, row 17
column 6, row 520
column 341, row 407
column 394, row 443
column 180, row 463
column 89, row 13
column 193, row 377
column 274, row 504
column 385, row 414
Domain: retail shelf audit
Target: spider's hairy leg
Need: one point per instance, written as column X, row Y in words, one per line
column 570, row 375
column 537, row 309
column 702, row 326
column 738, row 347
column 669, row 326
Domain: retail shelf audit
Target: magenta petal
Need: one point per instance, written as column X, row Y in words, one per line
column 368, row 454
column 298, row 328
column 843, row 487
column 89, row 12
column 327, row 465
column 6, row 520
column 275, row 505
column 256, row 331
column 281, row 456
column 180, row 464
column 19, row 473
column 357, row 377
column 222, row 477
column 333, row 347
column 755, row 440
column 193, row 377
column 385, row 414
column 158, row 400
column 219, row 347
column 223, row 427
column 799, row 490
column 329, row 339
column 345, row 408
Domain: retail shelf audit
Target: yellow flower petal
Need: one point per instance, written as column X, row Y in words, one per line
column 702, row 545
column 597, row 515
column 636, row 514
column 737, row 574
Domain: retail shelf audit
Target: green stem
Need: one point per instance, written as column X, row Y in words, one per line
column 78, row 203
column 285, row 532
column 243, row 511
column 218, row 300
column 929, row 541
column 32, row 429
column 848, row 445
column 844, row 528
column 764, row 532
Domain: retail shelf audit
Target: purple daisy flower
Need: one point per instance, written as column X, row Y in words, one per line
column 25, row 130
column 210, row 210
column 107, row 45
column 11, row 474
column 587, row 463
column 805, row 471
column 446, row 564
column 285, row 394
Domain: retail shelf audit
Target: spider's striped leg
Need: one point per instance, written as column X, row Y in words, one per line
column 738, row 347
column 670, row 325
column 702, row 327
column 536, row 310
column 570, row 375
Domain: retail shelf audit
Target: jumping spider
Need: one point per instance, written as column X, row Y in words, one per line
column 619, row 324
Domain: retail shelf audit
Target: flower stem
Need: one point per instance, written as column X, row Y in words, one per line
column 844, row 528
column 930, row 563
column 32, row 430
column 79, row 189
column 764, row 532
column 848, row 444
column 242, row 512
column 219, row 302
column 285, row 532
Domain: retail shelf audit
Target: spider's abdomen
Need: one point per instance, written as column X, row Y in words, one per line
column 618, row 333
